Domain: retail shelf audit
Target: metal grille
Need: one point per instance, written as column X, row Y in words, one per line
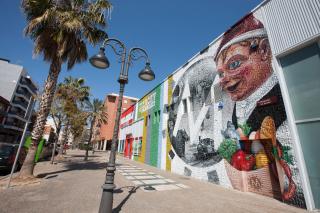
column 291, row 22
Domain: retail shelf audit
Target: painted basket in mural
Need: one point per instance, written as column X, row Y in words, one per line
column 259, row 181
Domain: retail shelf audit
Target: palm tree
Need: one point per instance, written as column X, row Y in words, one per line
column 60, row 30
column 97, row 115
column 59, row 118
column 74, row 95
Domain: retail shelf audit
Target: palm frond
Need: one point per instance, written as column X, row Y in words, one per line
column 60, row 28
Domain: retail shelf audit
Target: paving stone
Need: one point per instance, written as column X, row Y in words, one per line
column 156, row 181
column 170, row 181
column 137, row 173
column 137, row 182
column 165, row 187
column 182, row 186
column 145, row 177
column 130, row 178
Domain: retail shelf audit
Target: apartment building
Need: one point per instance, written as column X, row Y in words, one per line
column 104, row 139
column 17, row 87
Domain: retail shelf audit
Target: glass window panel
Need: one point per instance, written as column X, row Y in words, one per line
column 309, row 136
column 302, row 73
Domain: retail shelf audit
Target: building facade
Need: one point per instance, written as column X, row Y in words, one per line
column 17, row 87
column 4, row 107
column 104, row 137
column 243, row 112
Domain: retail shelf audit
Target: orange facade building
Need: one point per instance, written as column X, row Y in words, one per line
column 104, row 138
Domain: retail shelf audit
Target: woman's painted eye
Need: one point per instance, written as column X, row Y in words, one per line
column 235, row 64
column 221, row 74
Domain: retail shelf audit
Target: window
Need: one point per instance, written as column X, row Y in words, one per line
column 121, row 146
column 155, row 117
column 301, row 72
column 112, row 99
column 137, row 146
column 159, row 116
column 146, row 121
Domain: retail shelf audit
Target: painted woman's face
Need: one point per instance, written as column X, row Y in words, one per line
column 242, row 72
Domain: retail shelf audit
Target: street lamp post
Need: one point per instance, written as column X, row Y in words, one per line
column 100, row 61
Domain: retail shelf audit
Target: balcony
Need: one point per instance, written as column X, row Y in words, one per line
column 28, row 84
column 20, row 101
column 22, row 96
column 23, row 92
column 17, row 111
column 13, row 123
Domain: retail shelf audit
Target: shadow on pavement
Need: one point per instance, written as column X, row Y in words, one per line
column 132, row 190
column 77, row 165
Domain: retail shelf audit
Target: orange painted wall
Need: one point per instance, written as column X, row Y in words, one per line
column 110, row 102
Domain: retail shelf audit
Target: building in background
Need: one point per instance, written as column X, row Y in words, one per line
column 17, row 87
column 253, row 93
column 103, row 140
column 4, row 107
column 49, row 134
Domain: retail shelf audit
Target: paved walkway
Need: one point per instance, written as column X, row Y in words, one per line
column 149, row 181
column 75, row 186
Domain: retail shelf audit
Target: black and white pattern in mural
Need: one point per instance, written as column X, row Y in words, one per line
column 213, row 177
column 191, row 115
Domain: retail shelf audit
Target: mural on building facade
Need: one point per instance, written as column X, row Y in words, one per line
column 221, row 118
column 256, row 147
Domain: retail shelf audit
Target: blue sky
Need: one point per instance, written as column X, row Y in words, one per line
column 172, row 31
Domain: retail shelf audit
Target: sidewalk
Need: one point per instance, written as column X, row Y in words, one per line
column 75, row 186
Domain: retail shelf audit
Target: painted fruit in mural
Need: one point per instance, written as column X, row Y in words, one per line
column 261, row 160
column 243, row 162
column 237, row 159
column 191, row 113
column 248, row 163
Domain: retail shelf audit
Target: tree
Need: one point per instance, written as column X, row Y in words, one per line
column 96, row 115
column 75, row 96
column 60, row 30
column 77, row 126
column 59, row 118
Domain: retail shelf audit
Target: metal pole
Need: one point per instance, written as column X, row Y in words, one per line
column 28, row 114
column 108, row 187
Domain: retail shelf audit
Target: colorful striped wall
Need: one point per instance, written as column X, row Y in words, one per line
column 149, row 109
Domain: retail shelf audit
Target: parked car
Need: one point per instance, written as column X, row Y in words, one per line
column 8, row 153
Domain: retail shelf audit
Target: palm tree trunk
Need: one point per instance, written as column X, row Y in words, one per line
column 55, row 143
column 89, row 141
column 45, row 105
column 64, row 138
